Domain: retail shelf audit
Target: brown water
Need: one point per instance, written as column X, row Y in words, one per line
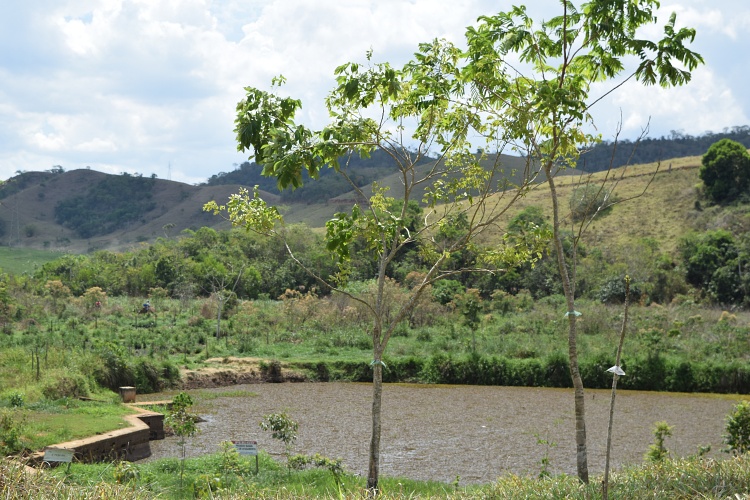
column 440, row 432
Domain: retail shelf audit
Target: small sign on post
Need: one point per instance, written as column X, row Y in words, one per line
column 61, row 455
column 247, row 448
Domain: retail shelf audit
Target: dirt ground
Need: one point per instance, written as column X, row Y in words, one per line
column 222, row 372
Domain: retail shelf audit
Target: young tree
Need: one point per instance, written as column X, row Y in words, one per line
column 544, row 101
column 182, row 423
column 283, row 428
column 444, row 102
column 407, row 113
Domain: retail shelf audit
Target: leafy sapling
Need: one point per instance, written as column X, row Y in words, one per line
column 283, row 428
column 737, row 437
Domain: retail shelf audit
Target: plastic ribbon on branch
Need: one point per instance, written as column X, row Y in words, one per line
column 574, row 313
column 378, row 362
column 616, row 370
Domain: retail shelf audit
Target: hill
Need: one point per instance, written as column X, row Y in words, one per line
column 663, row 208
column 85, row 210
column 30, row 210
column 649, row 150
column 28, row 205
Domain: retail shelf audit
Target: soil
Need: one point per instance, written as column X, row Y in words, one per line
column 222, row 372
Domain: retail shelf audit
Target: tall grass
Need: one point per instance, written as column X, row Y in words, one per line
column 670, row 479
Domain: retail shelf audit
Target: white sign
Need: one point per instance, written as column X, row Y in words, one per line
column 246, row 447
column 58, row 455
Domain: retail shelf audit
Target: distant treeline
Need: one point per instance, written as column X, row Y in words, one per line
column 595, row 159
column 677, row 145
column 361, row 172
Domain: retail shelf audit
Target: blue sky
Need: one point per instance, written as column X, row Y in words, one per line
column 150, row 86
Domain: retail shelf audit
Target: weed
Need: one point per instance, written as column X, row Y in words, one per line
column 658, row 452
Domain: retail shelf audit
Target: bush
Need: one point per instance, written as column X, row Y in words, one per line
column 737, row 437
column 65, row 386
column 589, row 200
column 147, row 376
column 657, row 452
column 613, row 291
column 16, row 399
column 114, row 370
column 444, row 291
column 10, row 433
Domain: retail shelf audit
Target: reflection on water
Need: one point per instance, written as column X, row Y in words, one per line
column 440, row 432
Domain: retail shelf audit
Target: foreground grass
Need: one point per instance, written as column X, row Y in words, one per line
column 208, row 477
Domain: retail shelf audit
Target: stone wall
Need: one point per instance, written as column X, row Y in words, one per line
column 131, row 443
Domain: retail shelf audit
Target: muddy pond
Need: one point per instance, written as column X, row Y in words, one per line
column 433, row 432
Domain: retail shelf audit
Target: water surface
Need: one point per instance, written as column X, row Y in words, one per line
column 439, row 432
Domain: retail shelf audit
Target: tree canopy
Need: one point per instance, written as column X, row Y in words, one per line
column 444, row 101
column 725, row 171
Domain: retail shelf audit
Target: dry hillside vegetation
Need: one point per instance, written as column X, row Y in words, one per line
column 663, row 213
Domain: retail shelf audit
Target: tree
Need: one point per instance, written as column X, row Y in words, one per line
column 713, row 261
column 440, row 102
column 283, row 428
column 93, row 298
column 725, row 171
column 544, row 102
column 182, row 422
column 423, row 107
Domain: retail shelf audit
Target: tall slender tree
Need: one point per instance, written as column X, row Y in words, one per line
column 538, row 80
column 408, row 113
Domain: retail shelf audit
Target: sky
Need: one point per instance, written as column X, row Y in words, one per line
column 150, row 86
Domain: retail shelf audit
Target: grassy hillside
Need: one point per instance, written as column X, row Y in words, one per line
column 14, row 260
column 664, row 212
column 655, row 201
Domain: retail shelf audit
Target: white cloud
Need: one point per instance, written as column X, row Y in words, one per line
column 706, row 104
column 132, row 85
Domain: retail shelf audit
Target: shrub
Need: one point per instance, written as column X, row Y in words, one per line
column 16, row 399
column 588, row 200
column 65, row 386
column 114, row 370
column 613, row 291
column 147, row 376
column 658, row 451
column 737, row 437
column 334, row 466
column 444, row 291
column 10, row 433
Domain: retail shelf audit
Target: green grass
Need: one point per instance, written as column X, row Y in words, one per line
column 47, row 423
column 679, row 479
column 19, row 261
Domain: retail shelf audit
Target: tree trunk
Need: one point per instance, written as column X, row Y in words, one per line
column 579, row 402
column 218, row 319
column 377, row 394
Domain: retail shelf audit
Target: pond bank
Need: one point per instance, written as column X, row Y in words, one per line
column 130, row 443
column 654, row 373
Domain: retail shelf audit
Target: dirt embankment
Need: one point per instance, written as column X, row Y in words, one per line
column 221, row 372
